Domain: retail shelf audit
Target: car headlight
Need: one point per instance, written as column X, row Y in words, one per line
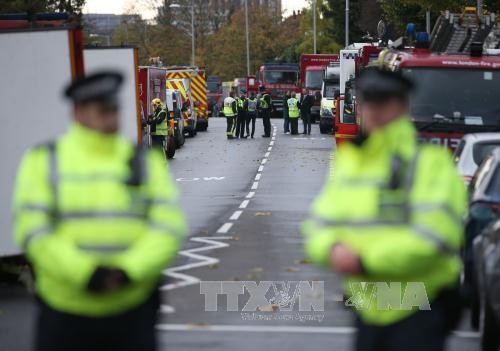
column 326, row 112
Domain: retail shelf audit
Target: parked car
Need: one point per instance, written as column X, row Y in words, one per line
column 471, row 151
column 484, row 208
column 487, row 257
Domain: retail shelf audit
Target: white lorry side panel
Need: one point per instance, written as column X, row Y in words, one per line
column 121, row 60
column 34, row 69
column 347, row 66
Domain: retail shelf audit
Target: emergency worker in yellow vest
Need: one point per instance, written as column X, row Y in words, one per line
column 230, row 111
column 159, row 123
column 293, row 106
column 390, row 221
column 99, row 222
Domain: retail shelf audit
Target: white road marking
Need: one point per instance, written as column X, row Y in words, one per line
column 271, row 143
column 267, row 154
column 186, row 279
column 255, row 185
column 196, row 179
column 167, row 309
column 261, row 168
column 264, row 161
column 235, row 215
column 256, row 328
column 250, row 195
column 269, row 148
column 244, row 203
column 224, row 228
column 278, row 329
column 257, row 177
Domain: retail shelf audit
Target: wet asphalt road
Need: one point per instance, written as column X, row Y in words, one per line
column 244, row 200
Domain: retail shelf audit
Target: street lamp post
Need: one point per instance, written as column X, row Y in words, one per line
column 192, row 28
column 314, row 26
column 248, row 41
column 346, row 23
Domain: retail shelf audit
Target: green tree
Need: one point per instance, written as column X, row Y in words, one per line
column 325, row 40
column 333, row 11
column 34, row 6
column 401, row 12
column 270, row 40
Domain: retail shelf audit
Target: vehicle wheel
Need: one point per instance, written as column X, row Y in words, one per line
column 490, row 339
column 169, row 147
column 192, row 132
column 179, row 140
column 322, row 129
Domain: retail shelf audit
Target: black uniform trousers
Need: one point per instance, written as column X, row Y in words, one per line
column 133, row 330
column 240, row 124
column 231, row 126
column 425, row 330
column 266, row 121
column 294, row 125
column 306, row 119
column 157, row 141
column 251, row 117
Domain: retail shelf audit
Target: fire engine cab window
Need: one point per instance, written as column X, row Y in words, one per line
column 212, row 86
column 314, row 79
column 330, row 90
column 455, row 95
column 280, row 77
column 481, row 150
column 458, row 151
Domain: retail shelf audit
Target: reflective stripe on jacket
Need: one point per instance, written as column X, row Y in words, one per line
column 399, row 206
column 83, row 206
column 293, row 108
column 228, row 107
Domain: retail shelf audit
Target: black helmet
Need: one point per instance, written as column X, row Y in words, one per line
column 376, row 83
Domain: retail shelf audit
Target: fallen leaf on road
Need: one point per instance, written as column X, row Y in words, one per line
column 214, row 266
column 292, row 269
column 268, row 308
column 198, row 325
column 302, row 261
column 262, row 213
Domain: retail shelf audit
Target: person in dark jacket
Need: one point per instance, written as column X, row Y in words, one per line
column 242, row 116
column 265, row 107
column 286, row 121
column 306, row 103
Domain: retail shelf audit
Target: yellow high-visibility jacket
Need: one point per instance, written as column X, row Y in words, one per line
column 399, row 206
column 81, row 206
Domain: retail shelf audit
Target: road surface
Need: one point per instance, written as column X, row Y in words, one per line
column 245, row 200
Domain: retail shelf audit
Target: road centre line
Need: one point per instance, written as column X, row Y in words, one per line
column 235, row 215
column 257, row 177
column 264, row 160
column 225, row 228
column 261, row 168
column 269, row 148
column 267, row 154
column 271, row 143
column 255, row 185
column 244, row 204
column 278, row 329
column 250, row 195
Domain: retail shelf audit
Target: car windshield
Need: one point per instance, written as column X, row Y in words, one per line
column 470, row 97
column 493, row 189
column 280, row 77
column 213, row 87
column 329, row 90
column 314, row 79
column 482, row 149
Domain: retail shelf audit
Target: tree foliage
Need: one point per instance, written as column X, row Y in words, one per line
column 325, row 40
column 333, row 11
column 270, row 40
column 401, row 12
column 33, row 6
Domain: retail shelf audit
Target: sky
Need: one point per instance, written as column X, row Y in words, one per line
column 119, row 6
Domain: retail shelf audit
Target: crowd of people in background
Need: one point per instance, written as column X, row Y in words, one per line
column 241, row 112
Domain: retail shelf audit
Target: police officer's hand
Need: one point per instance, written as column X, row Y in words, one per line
column 344, row 260
column 107, row 279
